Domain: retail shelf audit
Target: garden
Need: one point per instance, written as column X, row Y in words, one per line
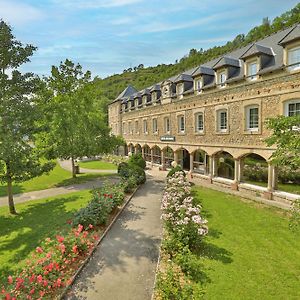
column 219, row 246
column 49, row 239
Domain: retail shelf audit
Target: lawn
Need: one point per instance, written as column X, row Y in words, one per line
column 57, row 177
column 250, row 253
column 21, row 234
column 98, row 165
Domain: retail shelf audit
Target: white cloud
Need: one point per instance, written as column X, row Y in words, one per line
column 16, row 13
column 121, row 21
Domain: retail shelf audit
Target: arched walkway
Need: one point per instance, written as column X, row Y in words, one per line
column 169, row 157
column 138, row 149
column 147, row 153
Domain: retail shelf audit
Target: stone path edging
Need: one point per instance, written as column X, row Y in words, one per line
column 97, row 244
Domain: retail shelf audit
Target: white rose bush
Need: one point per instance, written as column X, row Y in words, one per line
column 182, row 219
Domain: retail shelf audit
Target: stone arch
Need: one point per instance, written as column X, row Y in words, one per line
column 138, row 148
column 224, row 164
column 200, row 161
column 147, row 152
column 169, row 156
column 156, row 154
column 254, row 169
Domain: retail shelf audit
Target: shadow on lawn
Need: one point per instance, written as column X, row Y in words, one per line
column 83, row 178
column 17, row 189
column 32, row 225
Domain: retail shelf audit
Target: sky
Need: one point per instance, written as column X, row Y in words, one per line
column 108, row 36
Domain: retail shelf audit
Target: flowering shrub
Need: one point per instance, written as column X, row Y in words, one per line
column 51, row 265
column 115, row 159
column 181, row 217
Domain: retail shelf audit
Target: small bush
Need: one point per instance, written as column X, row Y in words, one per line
column 295, row 217
column 178, row 168
column 131, row 170
column 137, row 159
column 123, row 169
column 129, row 184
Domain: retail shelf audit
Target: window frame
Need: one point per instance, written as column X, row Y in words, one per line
column 219, row 113
column 248, row 118
column 145, row 126
column 167, row 120
column 287, row 104
column 154, row 128
column 254, row 76
column 219, row 77
column 293, row 66
column 179, row 123
column 197, row 115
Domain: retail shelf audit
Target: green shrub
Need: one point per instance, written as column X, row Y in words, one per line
column 137, row 159
column 115, row 190
column 129, row 184
column 178, row 168
column 126, row 170
column 295, row 217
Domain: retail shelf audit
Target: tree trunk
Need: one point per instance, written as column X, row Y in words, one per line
column 11, row 203
column 73, row 168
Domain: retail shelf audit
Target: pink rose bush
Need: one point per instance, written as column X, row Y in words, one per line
column 51, row 266
column 181, row 217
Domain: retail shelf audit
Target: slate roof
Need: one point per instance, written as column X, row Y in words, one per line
column 227, row 61
column 270, row 43
column 183, row 77
column 257, row 49
column 291, row 36
column 130, row 90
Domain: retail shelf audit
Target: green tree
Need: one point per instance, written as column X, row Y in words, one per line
column 75, row 121
column 20, row 160
column 286, row 137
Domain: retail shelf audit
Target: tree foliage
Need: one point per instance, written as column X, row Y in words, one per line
column 286, row 137
column 76, row 127
column 19, row 159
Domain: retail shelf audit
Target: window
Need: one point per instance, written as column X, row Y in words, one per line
column 154, row 125
column 167, row 125
column 181, row 124
column 145, row 125
column 180, row 89
column 252, row 118
column 222, row 120
column 294, row 58
column 130, row 128
column 124, row 128
column 252, row 70
column 198, row 85
column 292, row 108
column 136, row 124
column 153, row 96
column 199, row 122
column 222, row 79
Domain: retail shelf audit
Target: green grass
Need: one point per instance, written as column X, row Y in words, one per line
column 21, row 234
column 97, row 164
column 249, row 253
column 285, row 187
column 57, row 177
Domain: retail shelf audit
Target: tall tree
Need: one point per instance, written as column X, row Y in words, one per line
column 75, row 122
column 19, row 159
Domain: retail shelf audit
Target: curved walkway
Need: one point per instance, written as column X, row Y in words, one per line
column 37, row 195
column 124, row 264
column 67, row 165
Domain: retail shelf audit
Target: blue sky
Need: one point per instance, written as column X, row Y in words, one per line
column 108, row 36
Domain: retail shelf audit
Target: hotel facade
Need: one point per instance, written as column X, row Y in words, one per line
column 216, row 112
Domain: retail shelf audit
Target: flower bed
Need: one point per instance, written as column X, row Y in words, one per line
column 184, row 230
column 54, row 262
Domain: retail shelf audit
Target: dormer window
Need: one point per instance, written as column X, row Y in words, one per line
column 180, row 89
column 198, row 85
column 293, row 58
column 153, row 96
column 222, row 79
column 252, row 69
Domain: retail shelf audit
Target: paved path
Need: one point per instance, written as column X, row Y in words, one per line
column 123, row 267
column 35, row 195
column 67, row 165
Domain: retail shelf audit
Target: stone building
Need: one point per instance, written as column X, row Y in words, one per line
column 215, row 113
